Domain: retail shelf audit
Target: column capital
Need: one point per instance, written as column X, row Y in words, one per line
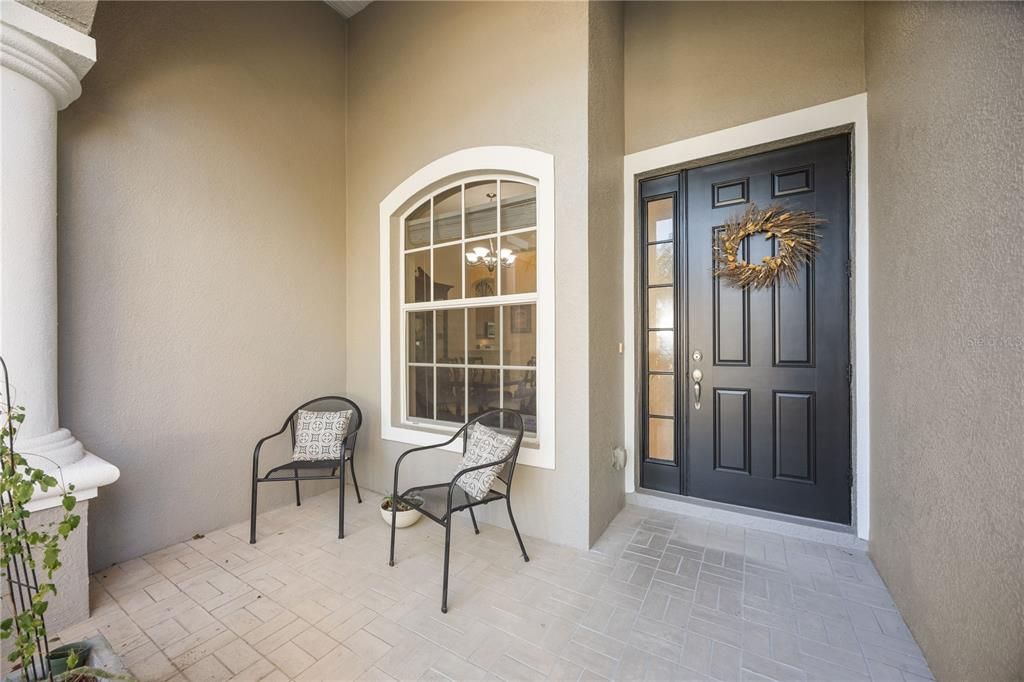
column 44, row 50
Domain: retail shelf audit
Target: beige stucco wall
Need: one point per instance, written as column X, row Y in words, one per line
column 203, row 190
column 201, row 254
column 695, row 67
column 945, row 96
column 427, row 79
column 605, row 140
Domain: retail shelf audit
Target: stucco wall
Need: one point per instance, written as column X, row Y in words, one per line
column 201, row 254
column 605, row 140
column 945, row 96
column 695, row 67
column 427, row 79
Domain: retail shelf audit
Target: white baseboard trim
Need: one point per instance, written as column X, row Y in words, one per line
column 750, row 518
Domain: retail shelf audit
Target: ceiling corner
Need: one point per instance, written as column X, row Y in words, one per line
column 347, row 8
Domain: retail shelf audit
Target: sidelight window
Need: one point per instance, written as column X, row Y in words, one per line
column 659, row 276
column 469, row 302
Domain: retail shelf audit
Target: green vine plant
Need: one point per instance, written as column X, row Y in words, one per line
column 31, row 546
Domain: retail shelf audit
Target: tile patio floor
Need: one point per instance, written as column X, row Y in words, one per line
column 662, row 596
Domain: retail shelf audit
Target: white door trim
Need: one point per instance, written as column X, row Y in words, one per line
column 843, row 112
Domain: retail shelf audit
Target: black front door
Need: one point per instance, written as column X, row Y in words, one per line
column 771, row 427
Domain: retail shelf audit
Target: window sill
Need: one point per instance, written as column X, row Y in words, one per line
column 531, row 453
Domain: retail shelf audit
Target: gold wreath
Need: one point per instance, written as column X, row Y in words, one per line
column 796, row 237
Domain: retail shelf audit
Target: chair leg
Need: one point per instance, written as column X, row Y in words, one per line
column 252, row 515
column 394, row 517
column 447, row 551
column 473, row 516
column 355, row 483
column 298, row 500
column 341, row 501
column 508, row 503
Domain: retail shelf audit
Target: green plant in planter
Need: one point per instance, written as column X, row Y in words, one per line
column 35, row 549
column 19, row 549
column 402, row 506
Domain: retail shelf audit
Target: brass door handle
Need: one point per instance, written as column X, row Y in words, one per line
column 698, row 376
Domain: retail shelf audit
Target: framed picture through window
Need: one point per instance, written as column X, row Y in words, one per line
column 522, row 319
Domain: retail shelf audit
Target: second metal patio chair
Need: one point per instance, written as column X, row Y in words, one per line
column 439, row 501
column 330, row 403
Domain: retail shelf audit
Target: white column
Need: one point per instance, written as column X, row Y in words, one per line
column 42, row 64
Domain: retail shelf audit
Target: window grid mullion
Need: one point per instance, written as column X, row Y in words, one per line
column 404, row 335
column 465, row 312
column 519, row 230
column 465, row 359
column 498, row 180
column 506, row 233
column 500, row 302
column 430, row 295
column 521, row 368
column 497, row 246
column 433, row 348
column 462, row 242
column 501, row 351
column 479, row 302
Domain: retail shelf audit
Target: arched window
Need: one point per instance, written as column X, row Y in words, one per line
column 469, row 304
column 467, row 314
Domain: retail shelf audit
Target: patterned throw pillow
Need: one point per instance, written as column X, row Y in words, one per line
column 320, row 435
column 483, row 445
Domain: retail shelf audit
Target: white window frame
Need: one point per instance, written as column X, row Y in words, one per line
column 464, row 303
column 498, row 162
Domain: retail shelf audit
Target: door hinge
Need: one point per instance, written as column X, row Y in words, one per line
column 849, row 373
column 849, row 268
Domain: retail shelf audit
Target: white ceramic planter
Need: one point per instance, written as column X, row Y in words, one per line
column 403, row 519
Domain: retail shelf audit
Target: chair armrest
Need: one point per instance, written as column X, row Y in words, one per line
column 349, row 442
column 354, row 431
column 422, row 448
column 259, row 446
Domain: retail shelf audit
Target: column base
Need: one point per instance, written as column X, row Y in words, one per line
column 71, row 605
column 63, row 456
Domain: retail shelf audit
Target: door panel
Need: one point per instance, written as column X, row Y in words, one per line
column 776, row 436
column 772, row 429
column 732, row 430
column 731, row 319
column 794, row 445
column 793, row 322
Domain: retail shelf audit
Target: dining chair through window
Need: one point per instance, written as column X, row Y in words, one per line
column 439, row 501
column 336, row 465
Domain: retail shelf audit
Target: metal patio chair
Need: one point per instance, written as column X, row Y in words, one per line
column 439, row 501
column 331, row 403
